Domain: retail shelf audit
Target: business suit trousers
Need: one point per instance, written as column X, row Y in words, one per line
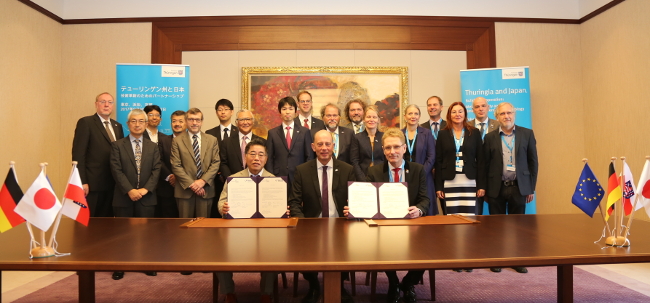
column 135, row 210
column 100, row 203
column 166, row 207
column 411, row 278
column 227, row 284
column 194, row 207
column 509, row 199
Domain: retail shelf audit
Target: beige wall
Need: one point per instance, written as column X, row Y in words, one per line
column 216, row 75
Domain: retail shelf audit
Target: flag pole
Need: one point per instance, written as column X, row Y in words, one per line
column 600, row 206
column 629, row 220
column 57, row 222
column 43, row 251
column 613, row 239
column 29, row 225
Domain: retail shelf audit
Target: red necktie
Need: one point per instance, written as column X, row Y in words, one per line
column 396, row 174
column 325, row 194
column 306, row 124
column 288, row 137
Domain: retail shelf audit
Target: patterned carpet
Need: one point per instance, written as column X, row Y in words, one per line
column 538, row 285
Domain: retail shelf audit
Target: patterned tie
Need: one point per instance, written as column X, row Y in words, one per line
column 243, row 148
column 288, row 137
column 325, row 194
column 138, row 158
column 108, row 130
column 307, row 124
column 396, row 174
column 481, row 129
column 335, row 139
column 225, row 133
column 357, row 129
column 197, row 156
column 435, row 129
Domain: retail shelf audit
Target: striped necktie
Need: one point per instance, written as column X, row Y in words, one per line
column 197, row 156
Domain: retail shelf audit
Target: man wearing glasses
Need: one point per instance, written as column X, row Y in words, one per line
column 195, row 163
column 91, row 148
column 305, row 117
column 232, row 150
column 224, row 130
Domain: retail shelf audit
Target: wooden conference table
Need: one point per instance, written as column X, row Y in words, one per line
column 327, row 245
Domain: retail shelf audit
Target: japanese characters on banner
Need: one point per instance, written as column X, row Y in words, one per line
column 496, row 85
column 165, row 85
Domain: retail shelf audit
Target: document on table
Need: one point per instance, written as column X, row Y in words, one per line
column 393, row 200
column 273, row 197
column 242, row 197
column 362, row 199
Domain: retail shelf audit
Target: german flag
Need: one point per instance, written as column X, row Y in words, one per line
column 614, row 192
column 10, row 194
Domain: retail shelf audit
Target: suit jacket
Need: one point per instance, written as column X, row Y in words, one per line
column 216, row 132
column 526, row 163
column 427, row 125
column 415, row 177
column 184, row 167
column 350, row 126
column 91, row 148
column 146, row 135
column 473, row 161
column 491, row 124
column 230, row 152
column 282, row 161
column 361, row 155
column 345, row 145
column 125, row 171
column 223, row 198
column 305, row 198
column 165, row 189
column 316, row 125
column 425, row 154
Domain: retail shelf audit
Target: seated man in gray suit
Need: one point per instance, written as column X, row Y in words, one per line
column 511, row 165
column 135, row 165
column 255, row 157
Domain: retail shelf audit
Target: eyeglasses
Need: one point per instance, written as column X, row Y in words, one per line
column 154, row 115
column 134, row 121
column 304, row 101
column 220, row 110
column 331, row 116
column 194, row 120
column 253, row 155
column 390, row 148
column 320, row 144
column 506, row 113
column 245, row 119
column 104, row 102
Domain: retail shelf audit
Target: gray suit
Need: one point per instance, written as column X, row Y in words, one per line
column 125, row 173
column 184, row 168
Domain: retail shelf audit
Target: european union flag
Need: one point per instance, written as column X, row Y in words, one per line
column 588, row 192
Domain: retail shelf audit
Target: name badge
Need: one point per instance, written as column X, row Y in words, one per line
column 459, row 169
column 510, row 167
column 459, row 154
column 459, row 163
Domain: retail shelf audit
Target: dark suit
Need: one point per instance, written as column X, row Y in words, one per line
column 216, row 132
column 346, row 136
column 305, row 198
column 427, row 125
column 91, row 148
column 166, row 207
column 473, row 160
column 415, row 176
column 282, row 161
column 425, row 154
column 230, row 151
column 219, row 180
column 125, row 172
column 146, row 136
column 316, row 125
column 361, row 154
column 526, row 165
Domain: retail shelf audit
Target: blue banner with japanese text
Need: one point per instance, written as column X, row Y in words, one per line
column 165, row 85
column 496, row 85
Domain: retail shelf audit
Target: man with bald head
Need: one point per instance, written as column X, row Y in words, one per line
column 482, row 122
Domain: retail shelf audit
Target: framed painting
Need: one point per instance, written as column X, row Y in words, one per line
column 384, row 87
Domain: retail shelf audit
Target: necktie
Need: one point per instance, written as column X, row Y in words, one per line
column 481, row 129
column 197, row 156
column 307, row 124
column 108, row 130
column 435, row 129
column 288, row 137
column 325, row 194
column 357, row 129
column 138, row 159
column 225, row 133
column 243, row 148
column 335, row 139
column 396, row 174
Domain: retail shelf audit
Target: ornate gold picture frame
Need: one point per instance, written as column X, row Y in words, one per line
column 385, row 87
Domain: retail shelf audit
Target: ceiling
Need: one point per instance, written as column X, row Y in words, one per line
column 99, row 9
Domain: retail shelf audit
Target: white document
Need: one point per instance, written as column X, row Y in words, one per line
column 393, row 200
column 273, row 197
column 362, row 199
column 242, row 197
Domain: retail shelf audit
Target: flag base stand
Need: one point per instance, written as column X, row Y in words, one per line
column 42, row 252
column 617, row 241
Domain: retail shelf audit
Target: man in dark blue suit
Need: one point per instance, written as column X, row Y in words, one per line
column 511, row 165
column 305, row 117
column 289, row 144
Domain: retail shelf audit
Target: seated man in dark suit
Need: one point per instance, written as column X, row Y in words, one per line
column 326, row 201
column 396, row 169
column 135, row 165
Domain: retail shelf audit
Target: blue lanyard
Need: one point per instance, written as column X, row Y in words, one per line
column 510, row 147
column 391, row 172
column 410, row 144
column 459, row 142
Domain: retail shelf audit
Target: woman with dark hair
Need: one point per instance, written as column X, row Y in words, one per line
column 366, row 146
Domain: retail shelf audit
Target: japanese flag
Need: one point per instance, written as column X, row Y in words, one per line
column 39, row 206
column 644, row 188
column 74, row 200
